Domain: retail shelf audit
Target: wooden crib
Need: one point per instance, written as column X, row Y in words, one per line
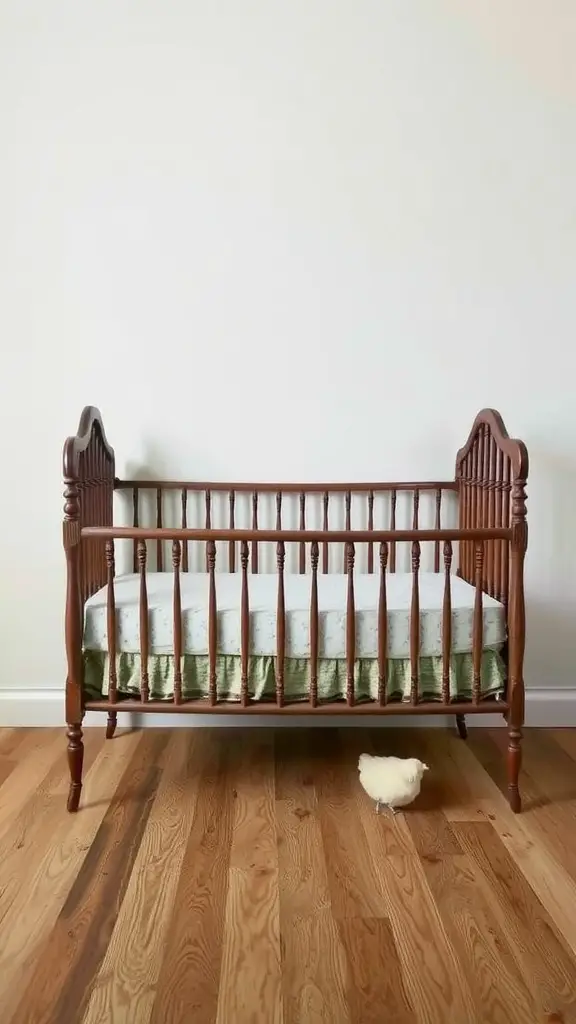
column 334, row 628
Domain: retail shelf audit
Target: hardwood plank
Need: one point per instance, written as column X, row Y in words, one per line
column 484, row 956
column 190, row 973
column 250, row 976
column 6, row 767
column 566, row 739
column 549, row 965
column 10, row 740
column 376, row 989
column 351, row 878
column 28, row 922
column 37, row 753
column 293, row 768
column 125, row 988
column 70, row 960
column 314, row 970
column 449, row 787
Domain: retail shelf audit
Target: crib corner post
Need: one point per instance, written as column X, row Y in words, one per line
column 73, row 631
column 516, row 641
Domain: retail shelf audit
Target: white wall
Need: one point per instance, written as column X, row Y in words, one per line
column 301, row 239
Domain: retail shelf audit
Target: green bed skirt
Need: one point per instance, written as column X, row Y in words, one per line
column 262, row 677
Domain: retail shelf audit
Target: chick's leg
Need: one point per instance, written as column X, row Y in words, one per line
column 390, row 808
column 377, row 807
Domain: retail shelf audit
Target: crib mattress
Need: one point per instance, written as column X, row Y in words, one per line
column 263, row 591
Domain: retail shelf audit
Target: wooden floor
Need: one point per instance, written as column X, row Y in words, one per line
column 243, row 876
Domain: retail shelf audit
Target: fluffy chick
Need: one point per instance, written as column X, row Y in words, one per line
column 392, row 781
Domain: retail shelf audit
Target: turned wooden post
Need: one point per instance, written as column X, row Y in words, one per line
column 477, row 626
column 73, row 628
column 302, row 557
column 314, row 556
column 325, row 500
column 280, row 625
column 184, row 527
column 244, row 625
column 111, row 631
column 382, row 627
column 516, row 632
column 393, row 527
column 142, row 555
column 415, row 624
column 370, row 527
column 177, row 614
column 350, row 627
column 212, row 623
column 446, row 624
column 232, row 543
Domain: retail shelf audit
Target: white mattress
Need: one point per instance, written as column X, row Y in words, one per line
column 263, row 589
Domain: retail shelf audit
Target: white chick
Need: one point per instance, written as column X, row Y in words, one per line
column 392, row 781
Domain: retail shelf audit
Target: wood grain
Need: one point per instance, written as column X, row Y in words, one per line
column 244, row 876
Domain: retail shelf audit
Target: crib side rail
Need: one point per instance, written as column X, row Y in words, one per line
column 480, row 538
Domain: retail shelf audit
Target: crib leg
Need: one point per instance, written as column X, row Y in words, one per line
column 461, row 726
column 111, row 724
column 514, row 765
column 75, row 761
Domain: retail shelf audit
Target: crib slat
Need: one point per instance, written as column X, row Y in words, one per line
column 437, row 526
column 393, row 497
column 446, row 624
column 177, row 613
column 486, row 475
column 279, row 510
column 477, row 628
column 185, row 527
column 382, row 627
column 314, row 556
column 350, row 628
column 255, row 527
column 142, row 555
column 370, row 527
column 231, row 543
column 212, row 623
column 280, row 625
column 505, row 522
column 491, row 546
column 135, row 523
column 415, row 624
column 208, row 520
column 244, row 625
column 302, row 558
column 325, row 501
column 348, row 502
column 159, row 550
column 415, row 509
column 111, row 624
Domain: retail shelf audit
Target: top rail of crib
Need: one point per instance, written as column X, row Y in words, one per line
column 301, row 536
column 284, row 488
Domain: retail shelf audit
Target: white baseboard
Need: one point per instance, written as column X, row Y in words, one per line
column 545, row 708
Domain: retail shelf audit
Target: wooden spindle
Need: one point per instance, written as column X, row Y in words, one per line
column 142, row 556
column 302, row 557
column 280, row 625
column 393, row 497
column 370, row 527
column 437, row 526
column 279, row 510
column 477, row 628
column 348, row 505
column 382, row 627
column 486, row 476
column 232, row 543
column 491, row 545
column 208, row 520
column 212, row 623
column 111, row 624
column 350, row 627
column 505, row 557
column 184, row 527
column 415, row 624
column 255, row 527
column 244, row 625
column 415, row 509
column 314, row 556
column 498, row 502
column 135, row 523
column 159, row 550
column 325, row 500
column 446, row 624
column 177, row 616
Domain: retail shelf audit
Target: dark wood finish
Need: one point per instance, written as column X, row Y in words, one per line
column 415, row 625
column 208, row 519
column 159, row 550
column 75, row 762
column 350, row 627
column 280, row 625
column 244, row 624
column 111, row 631
column 477, row 626
column 382, row 627
column 212, row 622
column 177, row 614
column 135, row 522
column 490, row 479
column 314, row 556
column 446, row 623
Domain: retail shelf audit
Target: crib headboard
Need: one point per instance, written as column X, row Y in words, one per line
column 491, row 473
column 88, row 497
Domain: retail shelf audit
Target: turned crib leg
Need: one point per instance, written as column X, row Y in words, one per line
column 461, row 726
column 111, row 724
column 75, row 761
column 514, row 765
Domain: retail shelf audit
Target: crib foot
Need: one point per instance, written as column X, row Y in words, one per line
column 111, row 724
column 75, row 761
column 514, row 763
column 461, row 726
